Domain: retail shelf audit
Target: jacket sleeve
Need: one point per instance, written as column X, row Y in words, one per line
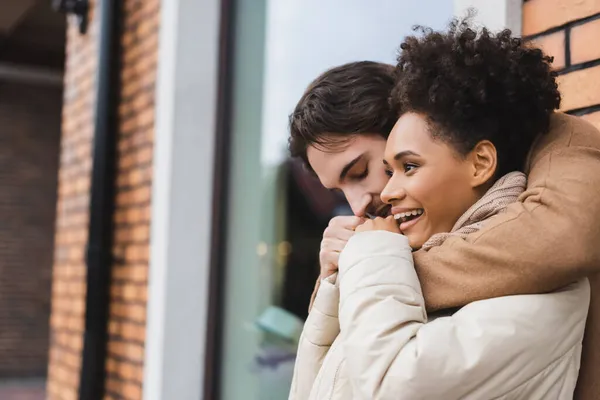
column 320, row 331
column 483, row 351
column 546, row 240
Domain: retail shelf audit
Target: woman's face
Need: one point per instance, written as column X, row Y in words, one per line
column 431, row 185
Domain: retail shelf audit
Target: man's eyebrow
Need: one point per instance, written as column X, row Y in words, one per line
column 349, row 166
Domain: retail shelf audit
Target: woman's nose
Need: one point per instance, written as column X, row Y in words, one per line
column 392, row 192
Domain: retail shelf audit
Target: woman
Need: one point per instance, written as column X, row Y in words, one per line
column 452, row 158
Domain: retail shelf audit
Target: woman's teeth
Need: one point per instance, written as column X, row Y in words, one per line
column 405, row 216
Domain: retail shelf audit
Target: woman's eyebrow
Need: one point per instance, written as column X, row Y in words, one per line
column 404, row 154
column 401, row 155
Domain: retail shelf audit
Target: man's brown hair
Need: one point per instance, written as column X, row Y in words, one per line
column 342, row 102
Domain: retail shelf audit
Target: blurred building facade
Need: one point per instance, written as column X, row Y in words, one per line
column 204, row 240
column 131, row 218
column 31, row 60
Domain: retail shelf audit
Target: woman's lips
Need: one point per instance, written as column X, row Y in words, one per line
column 404, row 226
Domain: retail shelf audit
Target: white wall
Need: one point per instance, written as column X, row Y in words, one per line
column 181, row 199
column 493, row 14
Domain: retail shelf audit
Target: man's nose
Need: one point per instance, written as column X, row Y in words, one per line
column 360, row 203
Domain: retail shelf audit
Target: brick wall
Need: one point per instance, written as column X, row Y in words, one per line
column 68, row 287
column 29, row 140
column 124, row 364
column 130, row 273
column 569, row 30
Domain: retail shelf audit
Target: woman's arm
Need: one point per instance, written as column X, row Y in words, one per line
column 320, row 330
column 482, row 351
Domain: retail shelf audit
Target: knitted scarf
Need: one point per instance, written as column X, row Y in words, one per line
column 505, row 190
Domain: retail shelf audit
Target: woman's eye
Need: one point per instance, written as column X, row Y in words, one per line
column 408, row 167
column 389, row 172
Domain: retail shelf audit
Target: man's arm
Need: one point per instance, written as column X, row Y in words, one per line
column 549, row 239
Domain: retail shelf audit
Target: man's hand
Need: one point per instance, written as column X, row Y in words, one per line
column 335, row 237
column 380, row 224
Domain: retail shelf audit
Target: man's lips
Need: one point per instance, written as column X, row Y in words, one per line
column 383, row 210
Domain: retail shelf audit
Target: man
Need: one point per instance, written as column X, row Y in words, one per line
column 339, row 128
column 347, row 101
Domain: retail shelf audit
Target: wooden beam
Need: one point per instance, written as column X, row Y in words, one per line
column 12, row 12
column 31, row 75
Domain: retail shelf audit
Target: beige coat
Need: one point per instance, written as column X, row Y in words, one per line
column 371, row 337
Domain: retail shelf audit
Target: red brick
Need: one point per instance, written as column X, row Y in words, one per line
column 541, row 15
column 584, row 44
column 146, row 117
column 132, row 312
column 114, row 386
column 132, row 391
column 151, row 7
column 141, row 233
column 580, row 88
column 130, row 351
column 134, row 273
column 553, row 45
column 142, row 195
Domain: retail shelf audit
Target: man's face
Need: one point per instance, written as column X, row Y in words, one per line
column 356, row 169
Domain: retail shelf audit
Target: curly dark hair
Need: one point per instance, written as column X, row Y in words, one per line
column 473, row 86
column 342, row 102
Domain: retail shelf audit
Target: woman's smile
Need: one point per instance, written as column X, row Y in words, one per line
column 407, row 218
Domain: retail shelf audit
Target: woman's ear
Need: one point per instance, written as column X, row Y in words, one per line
column 485, row 161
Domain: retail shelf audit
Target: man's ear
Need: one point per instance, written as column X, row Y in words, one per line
column 485, row 161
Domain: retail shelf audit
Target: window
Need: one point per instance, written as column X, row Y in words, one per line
column 274, row 228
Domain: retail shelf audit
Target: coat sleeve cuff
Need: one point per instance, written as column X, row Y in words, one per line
column 322, row 325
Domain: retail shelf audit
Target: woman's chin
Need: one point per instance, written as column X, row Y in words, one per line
column 414, row 242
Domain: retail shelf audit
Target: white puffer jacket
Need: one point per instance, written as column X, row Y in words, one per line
column 381, row 345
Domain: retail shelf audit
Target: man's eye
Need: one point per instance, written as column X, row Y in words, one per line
column 408, row 167
column 361, row 176
column 389, row 172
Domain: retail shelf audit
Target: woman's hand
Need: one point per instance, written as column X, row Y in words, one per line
column 379, row 224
